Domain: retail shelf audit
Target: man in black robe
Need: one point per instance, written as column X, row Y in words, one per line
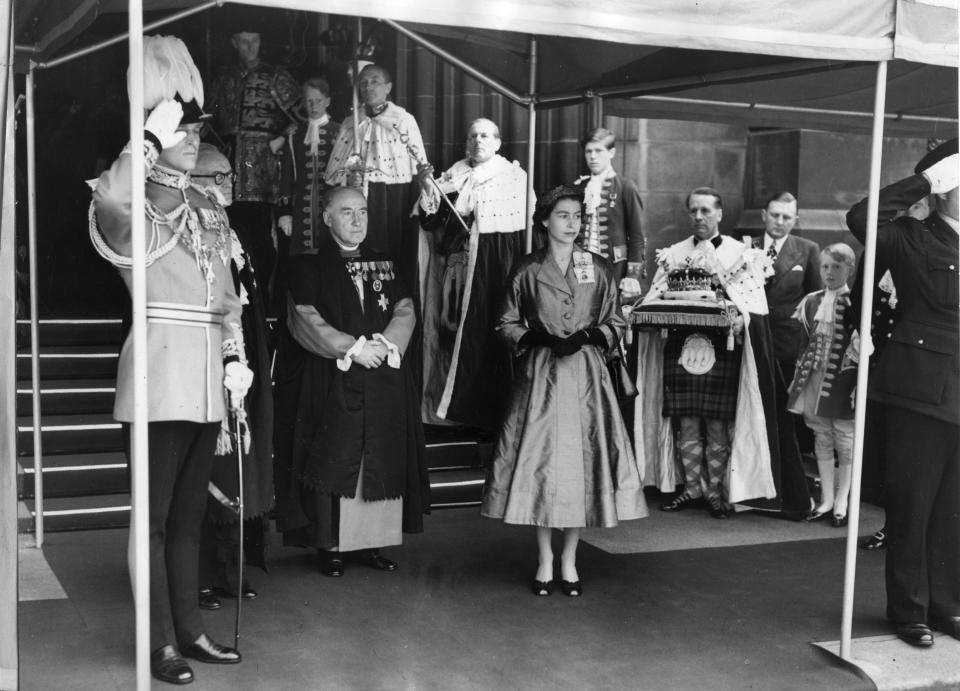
column 349, row 449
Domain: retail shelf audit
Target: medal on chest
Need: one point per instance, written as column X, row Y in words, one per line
column 583, row 267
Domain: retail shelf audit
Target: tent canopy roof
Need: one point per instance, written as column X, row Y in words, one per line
column 702, row 56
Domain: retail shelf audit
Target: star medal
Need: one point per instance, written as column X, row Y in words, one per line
column 383, row 302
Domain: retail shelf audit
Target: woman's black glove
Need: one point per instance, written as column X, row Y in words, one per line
column 598, row 337
column 571, row 344
column 539, row 338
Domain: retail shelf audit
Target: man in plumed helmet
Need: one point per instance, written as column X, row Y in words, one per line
column 253, row 105
column 916, row 380
column 195, row 352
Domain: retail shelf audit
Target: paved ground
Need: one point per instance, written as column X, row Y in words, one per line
column 458, row 613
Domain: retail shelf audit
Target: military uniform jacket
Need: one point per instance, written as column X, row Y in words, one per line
column 193, row 311
column 302, row 184
column 919, row 367
column 252, row 107
column 796, row 273
column 617, row 226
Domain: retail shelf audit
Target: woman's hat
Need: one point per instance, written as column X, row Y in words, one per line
column 546, row 202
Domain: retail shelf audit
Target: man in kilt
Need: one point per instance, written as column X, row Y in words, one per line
column 707, row 377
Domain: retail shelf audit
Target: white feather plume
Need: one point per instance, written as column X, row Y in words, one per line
column 168, row 70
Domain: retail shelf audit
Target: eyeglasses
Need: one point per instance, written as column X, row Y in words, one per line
column 219, row 177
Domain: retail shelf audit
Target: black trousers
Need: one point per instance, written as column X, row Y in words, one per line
column 181, row 457
column 923, row 516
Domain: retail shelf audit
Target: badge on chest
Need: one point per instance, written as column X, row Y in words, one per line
column 583, row 267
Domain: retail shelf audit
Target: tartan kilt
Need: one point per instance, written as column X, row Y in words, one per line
column 712, row 395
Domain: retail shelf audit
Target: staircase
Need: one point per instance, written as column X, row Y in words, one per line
column 85, row 481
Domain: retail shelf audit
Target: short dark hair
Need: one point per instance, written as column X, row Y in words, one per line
column 387, row 77
column 786, row 197
column 318, row 83
column 707, row 191
column 599, row 134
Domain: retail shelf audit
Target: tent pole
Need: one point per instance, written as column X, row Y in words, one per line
column 34, row 312
column 9, row 573
column 531, row 142
column 866, row 347
column 899, row 117
column 596, row 110
column 458, row 63
column 140, row 513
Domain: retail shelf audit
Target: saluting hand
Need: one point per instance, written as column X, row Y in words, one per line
column 163, row 121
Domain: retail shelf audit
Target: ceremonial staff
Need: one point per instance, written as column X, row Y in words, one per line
column 416, row 154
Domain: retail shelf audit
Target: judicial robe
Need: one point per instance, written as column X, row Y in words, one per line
column 334, row 424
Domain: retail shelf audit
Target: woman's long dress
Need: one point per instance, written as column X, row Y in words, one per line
column 563, row 458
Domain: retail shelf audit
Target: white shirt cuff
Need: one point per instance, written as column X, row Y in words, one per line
column 393, row 357
column 343, row 364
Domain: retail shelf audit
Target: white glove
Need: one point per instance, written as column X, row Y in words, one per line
column 944, row 175
column 286, row 225
column 629, row 288
column 237, row 379
column 276, row 144
column 163, row 121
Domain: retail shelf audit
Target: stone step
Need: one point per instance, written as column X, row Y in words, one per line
column 66, row 396
column 71, row 362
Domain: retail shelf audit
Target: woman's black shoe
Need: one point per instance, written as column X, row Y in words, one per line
column 838, row 521
column 542, row 588
column 167, row 665
column 331, row 564
column 205, row 650
column 571, row 588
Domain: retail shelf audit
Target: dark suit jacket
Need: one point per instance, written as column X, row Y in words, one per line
column 796, row 272
column 919, row 367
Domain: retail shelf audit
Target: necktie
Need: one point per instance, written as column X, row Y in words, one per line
column 772, row 252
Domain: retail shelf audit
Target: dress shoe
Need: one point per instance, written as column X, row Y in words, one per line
column 331, row 564
column 876, row 541
column 816, row 515
column 246, row 593
column 167, row 665
column 542, row 588
column 571, row 588
column 205, row 650
column 918, row 635
column 373, row 559
column 838, row 521
column 208, row 600
column 681, row 502
column 716, row 508
column 947, row 625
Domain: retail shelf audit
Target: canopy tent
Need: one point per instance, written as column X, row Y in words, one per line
column 719, row 62
column 704, row 56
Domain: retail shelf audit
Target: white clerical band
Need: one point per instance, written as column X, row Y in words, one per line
column 343, row 364
column 393, row 358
